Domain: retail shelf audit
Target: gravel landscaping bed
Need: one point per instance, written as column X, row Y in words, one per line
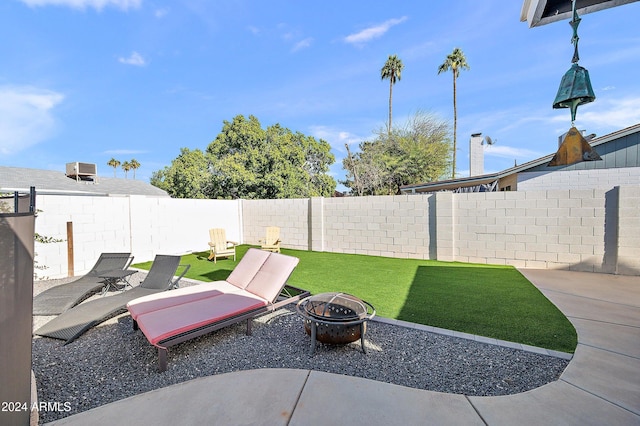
column 112, row 361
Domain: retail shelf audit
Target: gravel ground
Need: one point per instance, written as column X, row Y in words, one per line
column 112, row 361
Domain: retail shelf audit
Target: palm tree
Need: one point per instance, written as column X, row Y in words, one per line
column 134, row 165
column 392, row 70
column 126, row 166
column 113, row 163
column 454, row 62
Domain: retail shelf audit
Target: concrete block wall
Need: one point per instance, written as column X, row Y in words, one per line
column 100, row 224
column 291, row 215
column 579, row 179
column 144, row 226
column 394, row 226
column 161, row 225
column 444, row 220
column 533, row 229
column 628, row 254
column 579, row 229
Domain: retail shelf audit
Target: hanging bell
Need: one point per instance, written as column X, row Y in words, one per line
column 575, row 89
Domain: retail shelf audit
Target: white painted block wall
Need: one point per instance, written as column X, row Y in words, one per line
column 144, row 226
column 533, row 229
column 291, row 215
column 628, row 262
column 393, row 226
column 577, row 229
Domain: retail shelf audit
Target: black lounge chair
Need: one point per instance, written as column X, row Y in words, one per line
column 71, row 324
column 60, row 298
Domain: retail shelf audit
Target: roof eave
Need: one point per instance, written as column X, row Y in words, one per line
column 533, row 11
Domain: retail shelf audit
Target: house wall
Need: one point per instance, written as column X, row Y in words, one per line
column 595, row 230
column 578, row 179
column 510, row 181
column 621, row 152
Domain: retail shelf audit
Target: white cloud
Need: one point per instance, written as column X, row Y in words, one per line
column 134, row 59
column 371, row 33
column 83, row 4
column 26, row 116
column 607, row 113
column 161, row 13
column 497, row 150
column 336, row 138
column 302, row 44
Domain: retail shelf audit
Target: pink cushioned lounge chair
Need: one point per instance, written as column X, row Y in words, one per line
column 253, row 288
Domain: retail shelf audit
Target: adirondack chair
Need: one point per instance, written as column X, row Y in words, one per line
column 220, row 246
column 272, row 241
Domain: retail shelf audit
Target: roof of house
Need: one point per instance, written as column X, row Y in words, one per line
column 450, row 184
column 541, row 12
column 53, row 182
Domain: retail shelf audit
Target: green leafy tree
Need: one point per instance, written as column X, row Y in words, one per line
column 250, row 162
column 135, row 165
column 391, row 70
column 417, row 152
column 247, row 161
column 455, row 62
column 186, row 177
column 126, row 166
column 115, row 164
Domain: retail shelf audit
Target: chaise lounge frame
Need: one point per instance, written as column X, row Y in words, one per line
column 63, row 297
column 285, row 298
column 256, row 286
column 71, row 324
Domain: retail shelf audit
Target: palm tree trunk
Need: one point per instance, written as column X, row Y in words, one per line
column 390, row 102
column 455, row 125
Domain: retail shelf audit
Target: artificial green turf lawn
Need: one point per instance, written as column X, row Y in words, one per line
column 487, row 300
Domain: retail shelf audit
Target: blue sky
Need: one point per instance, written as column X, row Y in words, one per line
column 87, row 80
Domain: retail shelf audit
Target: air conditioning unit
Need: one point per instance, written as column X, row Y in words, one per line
column 81, row 171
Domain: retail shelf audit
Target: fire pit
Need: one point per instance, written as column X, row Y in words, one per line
column 335, row 318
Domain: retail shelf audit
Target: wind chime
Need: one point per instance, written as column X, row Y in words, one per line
column 575, row 90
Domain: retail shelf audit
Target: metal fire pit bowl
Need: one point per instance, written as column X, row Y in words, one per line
column 335, row 318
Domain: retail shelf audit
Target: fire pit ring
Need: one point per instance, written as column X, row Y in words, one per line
column 335, row 318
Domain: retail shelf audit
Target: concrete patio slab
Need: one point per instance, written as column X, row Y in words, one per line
column 586, row 308
column 620, row 289
column 330, row 399
column 555, row 404
column 611, row 376
column 622, row 339
column 265, row 396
